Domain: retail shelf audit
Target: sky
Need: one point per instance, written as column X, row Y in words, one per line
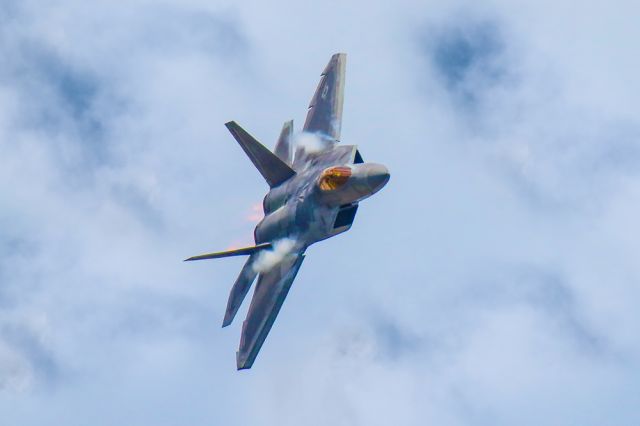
column 493, row 281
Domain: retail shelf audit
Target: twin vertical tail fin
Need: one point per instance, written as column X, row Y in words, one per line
column 274, row 170
column 283, row 147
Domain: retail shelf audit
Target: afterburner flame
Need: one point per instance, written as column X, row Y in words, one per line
column 256, row 214
column 334, row 178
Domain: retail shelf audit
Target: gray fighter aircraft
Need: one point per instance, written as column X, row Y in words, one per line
column 313, row 195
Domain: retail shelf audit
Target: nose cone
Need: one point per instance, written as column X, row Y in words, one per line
column 377, row 176
column 353, row 183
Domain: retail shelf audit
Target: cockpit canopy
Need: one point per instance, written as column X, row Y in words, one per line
column 334, row 177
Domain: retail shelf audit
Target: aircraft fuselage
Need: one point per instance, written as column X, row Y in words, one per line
column 305, row 207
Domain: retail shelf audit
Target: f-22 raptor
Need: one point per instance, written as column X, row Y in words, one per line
column 313, row 196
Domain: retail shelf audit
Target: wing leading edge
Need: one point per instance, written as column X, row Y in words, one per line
column 271, row 290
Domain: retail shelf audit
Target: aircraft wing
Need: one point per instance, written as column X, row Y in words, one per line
column 325, row 109
column 270, row 292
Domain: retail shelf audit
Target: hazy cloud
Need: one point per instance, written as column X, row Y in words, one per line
column 469, row 57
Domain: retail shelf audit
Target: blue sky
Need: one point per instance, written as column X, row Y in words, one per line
column 494, row 280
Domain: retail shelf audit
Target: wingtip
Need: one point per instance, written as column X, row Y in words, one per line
column 241, row 364
column 338, row 57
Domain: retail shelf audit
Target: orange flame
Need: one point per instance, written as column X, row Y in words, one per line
column 255, row 214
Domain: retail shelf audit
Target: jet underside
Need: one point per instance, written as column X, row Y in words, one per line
column 313, row 195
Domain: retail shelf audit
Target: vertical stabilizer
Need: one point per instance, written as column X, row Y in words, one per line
column 283, row 147
column 273, row 169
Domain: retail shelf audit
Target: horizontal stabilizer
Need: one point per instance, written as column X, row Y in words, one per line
column 271, row 167
column 229, row 253
column 240, row 289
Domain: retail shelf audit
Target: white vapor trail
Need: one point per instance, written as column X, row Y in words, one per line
column 310, row 142
column 269, row 258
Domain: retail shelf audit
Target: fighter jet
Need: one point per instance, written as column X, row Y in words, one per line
column 313, row 195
